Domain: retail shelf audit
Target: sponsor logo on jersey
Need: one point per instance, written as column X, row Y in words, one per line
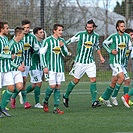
column 127, row 53
column 122, row 45
column 19, row 53
column 26, row 46
column 88, row 44
column 56, row 50
column 6, row 50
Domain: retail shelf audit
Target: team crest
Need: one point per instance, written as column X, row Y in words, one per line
column 56, row 50
column 127, row 53
column 26, row 46
column 88, row 44
column 122, row 45
column 6, row 50
column 19, row 53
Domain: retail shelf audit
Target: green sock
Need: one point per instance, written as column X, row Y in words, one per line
column 6, row 98
column 29, row 89
column 116, row 90
column 37, row 94
column 47, row 94
column 69, row 89
column 15, row 93
column 23, row 92
column 107, row 93
column 56, row 97
column 93, row 90
column 125, row 89
column 130, row 93
column 55, row 107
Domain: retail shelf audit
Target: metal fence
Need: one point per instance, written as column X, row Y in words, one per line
column 73, row 14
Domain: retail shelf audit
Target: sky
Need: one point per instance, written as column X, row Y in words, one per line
column 99, row 3
column 112, row 3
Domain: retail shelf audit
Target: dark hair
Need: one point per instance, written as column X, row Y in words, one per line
column 2, row 25
column 129, row 30
column 36, row 29
column 119, row 22
column 91, row 22
column 55, row 26
column 18, row 30
column 25, row 21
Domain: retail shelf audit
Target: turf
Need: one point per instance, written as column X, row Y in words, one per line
column 80, row 117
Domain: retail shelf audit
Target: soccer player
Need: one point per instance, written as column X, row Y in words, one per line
column 125, row 98
column 127, row 78
column 6, row 78
column 17, row 47
column 36, row 69
column 116, row 45
column 52, row 54
column 30, row 45
column 84, row 61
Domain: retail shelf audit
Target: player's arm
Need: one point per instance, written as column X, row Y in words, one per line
column 75, row 38
column 64, row 50
column 43, row 51
column 106, row 44
column 5, row 56
column 99, row 52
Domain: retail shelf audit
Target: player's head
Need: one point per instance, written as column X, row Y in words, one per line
column 120, row 26
column 39, row 32
column 90, row 26
column 130, row 32
column 4, row 28
column 19, row 32
column 58, row 29
column 26, row 25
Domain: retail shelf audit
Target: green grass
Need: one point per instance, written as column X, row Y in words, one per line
column 80, row 117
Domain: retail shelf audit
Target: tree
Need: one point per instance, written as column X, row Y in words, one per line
column 125, row 9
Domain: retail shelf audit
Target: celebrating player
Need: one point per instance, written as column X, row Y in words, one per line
column 116, row 45
column 36, row 68
column 52, row 54
column 84, row 61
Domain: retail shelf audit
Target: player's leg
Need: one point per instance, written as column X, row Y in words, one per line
column 7, row 81
column 126, row 97
column 77, row 71
column 36, row 80
column 49, row 90
column 90, row 70
column 23, row 91
column 37, row 95
column 18, row 80
column 117, row 77
column 117, row 87
column 59, row 78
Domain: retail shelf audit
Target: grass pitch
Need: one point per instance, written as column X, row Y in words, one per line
column 80, row 117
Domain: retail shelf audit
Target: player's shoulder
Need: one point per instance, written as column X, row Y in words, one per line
column 31, row 35
column 61, row 38
column 113, row 35
column 81, row 32
column 126, row 34
column 12, row 42
column 96, row 34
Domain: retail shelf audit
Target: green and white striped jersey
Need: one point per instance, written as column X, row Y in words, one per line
column 53, row 54
column 85, row 46
column 35, row 59
column 29, row 41
column 17, row 48
column 5, row 55
column 122, row 44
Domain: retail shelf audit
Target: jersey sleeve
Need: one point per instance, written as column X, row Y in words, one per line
column 106, row 44
column 75, row 38
column 43, row 51
column 64, row 50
